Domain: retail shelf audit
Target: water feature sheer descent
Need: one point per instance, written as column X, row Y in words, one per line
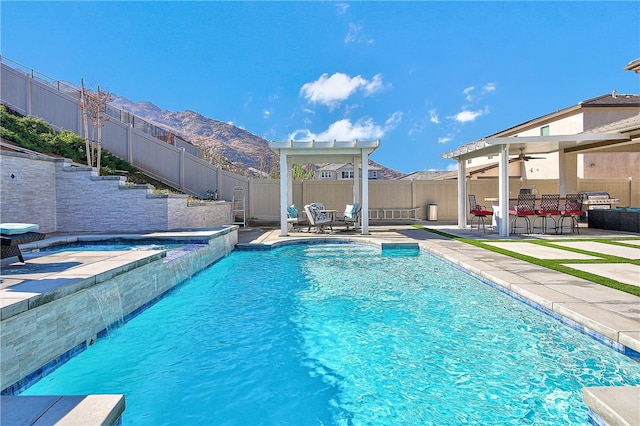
column 340, row 334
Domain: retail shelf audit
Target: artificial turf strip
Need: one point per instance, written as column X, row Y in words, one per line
column 556, row 264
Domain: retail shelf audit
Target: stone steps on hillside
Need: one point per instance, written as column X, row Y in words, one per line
column 121, row 180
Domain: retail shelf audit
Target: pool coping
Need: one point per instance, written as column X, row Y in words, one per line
column 62, row 410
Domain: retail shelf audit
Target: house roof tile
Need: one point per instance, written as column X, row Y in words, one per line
column 612, row 99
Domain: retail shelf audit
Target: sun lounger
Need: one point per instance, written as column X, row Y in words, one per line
column 14, row 234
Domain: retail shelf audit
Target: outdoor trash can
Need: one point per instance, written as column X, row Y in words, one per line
column 432, row 212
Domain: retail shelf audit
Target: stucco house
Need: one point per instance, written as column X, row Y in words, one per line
column 343, row 171
column 588, row 115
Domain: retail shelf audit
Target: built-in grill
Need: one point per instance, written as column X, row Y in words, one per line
column 597, row 200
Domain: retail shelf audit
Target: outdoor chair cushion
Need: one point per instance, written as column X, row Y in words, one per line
column 17, row 228
column 481, row 211
column 292, row 211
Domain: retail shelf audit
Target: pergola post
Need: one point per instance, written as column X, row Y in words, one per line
column 365, row 192
column 284, row 196
column 356, row 179
column 503, row 191
column 462, row 193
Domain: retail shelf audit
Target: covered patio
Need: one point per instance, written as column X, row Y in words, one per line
column 567, row 147
column 313, row 152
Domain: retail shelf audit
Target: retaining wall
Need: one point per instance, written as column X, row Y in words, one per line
column 62, row 198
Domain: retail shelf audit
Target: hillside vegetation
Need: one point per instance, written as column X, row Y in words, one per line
column 36, row 135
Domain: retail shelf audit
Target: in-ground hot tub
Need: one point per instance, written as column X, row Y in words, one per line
column 625, row 219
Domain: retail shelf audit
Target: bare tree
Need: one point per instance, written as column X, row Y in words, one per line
column 85, row 123
column 95, row 109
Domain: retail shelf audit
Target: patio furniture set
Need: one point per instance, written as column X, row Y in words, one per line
column 545, row 212
column 321, row 218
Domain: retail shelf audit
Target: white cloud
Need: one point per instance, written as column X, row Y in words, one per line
column 452, row 167
column 374, row 85
column 345, row 130
column 342, row 8
column 433, row 116
column 466, row 116
column 468, row 93
column 353, row 33
column 266, row 113
column 488, row 88
column 393, row 120
column 444, row 139
column 330, row 91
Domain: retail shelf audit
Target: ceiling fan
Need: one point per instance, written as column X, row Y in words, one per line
column 525, row 157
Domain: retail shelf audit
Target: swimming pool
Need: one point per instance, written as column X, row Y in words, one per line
column 340, row 334
column 112, row 245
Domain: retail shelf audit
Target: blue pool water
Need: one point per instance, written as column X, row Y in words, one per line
column 113, row 245
column 339, row 334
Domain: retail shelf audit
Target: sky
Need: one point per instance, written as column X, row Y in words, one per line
column 423, row 77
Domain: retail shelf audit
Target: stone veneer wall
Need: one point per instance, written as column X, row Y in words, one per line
column 43, row 334
column 28, row 190
column 200, row 215
column 61, row 198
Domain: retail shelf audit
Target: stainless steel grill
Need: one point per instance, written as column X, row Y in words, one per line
column 598, row 201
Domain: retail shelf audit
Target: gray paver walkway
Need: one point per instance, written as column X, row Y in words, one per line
column 541, row 252
column 596, row 247
column 623, row 272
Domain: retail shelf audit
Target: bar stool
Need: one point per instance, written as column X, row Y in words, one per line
column 525, row 207
column 549, row 207
column 479, row 213
column 572, row 210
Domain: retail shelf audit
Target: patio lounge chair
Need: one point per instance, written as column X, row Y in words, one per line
column 14, row 234
column 316, row 218
column 351, row 215
column 293, row 217
column 479, row 213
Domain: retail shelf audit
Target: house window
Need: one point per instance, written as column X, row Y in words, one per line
column 325, row 175
column 469, row 161
column 544, row 131
column 373, row 174
column 489, row 157
column 347, row 174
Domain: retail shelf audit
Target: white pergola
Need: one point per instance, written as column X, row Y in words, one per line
column 513, row 145
column 295, row 152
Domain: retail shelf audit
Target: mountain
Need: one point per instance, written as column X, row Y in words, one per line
column 223, row 144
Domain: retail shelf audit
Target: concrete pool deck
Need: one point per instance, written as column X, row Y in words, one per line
column 578, row 302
